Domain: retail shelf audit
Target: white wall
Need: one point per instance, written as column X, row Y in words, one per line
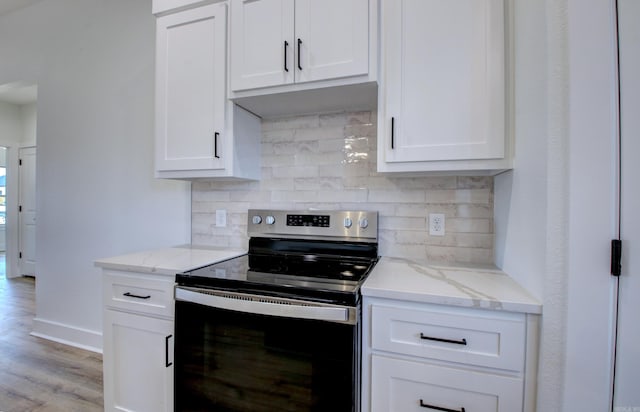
column 29, row 121
column 93, row 62
column 554, row 211
column 529, row 202
column 591, row 204
column 10, row 124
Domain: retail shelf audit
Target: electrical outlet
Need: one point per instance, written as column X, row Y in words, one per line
column 436, row 224
column 221, row 217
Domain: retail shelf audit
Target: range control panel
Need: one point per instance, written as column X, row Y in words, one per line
column 342, row 224
column 309, row 220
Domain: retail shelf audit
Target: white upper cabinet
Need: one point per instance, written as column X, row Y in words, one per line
column 160, row 7
column 443, row 87
column 261, row 43
column 198, row 130
column 280, row 42
column 332, row 39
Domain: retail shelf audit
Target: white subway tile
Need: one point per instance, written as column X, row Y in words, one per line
column 405, row 196
column 328, row 161
column 350, row 195
column 334, row 132
column 278, row 136
column 278, row 184
column 402, row 223
column 474, row 211
column 294, row 196
column 318, row 183
column 297, row 122
column 479, row 196
column 475, row 182
column 295, row 171
column 460, row 225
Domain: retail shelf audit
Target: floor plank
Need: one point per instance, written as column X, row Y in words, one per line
column 37, row 374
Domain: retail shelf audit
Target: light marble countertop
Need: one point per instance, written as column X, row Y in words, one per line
column 484, row 288
column 169, row 261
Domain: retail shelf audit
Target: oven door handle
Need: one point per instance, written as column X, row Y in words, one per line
column 269, row 306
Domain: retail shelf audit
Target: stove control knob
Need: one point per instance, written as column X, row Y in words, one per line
column 348, row 222
column 364, row 223
column 270, row 220
column 256, row 220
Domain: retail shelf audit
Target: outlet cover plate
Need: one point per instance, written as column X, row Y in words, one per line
column 436, row 224
column 221, row 217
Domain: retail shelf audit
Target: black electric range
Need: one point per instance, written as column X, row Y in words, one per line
column 317, row 256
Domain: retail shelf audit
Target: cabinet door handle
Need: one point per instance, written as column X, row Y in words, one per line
column 439, row 408
column 215, row 145
column 299, row 60
column 286, row 46
column 166, row 351
column 457, row 342
column 393, row 124
column 131, row 295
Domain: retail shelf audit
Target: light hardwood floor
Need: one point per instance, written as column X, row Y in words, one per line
column 37, row 374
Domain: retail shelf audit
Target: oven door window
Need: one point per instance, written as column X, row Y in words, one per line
column 233, row 361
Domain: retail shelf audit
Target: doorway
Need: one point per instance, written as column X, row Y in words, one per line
column 3, row 211
column 18, row 129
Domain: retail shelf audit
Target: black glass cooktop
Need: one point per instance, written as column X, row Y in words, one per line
column 319, row 271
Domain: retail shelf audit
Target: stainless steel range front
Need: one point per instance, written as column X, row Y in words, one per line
column 279, row 328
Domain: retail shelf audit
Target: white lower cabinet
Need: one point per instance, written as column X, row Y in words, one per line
column 138, row 368
column 138, row 342
column 427, row 357
column 403, row 386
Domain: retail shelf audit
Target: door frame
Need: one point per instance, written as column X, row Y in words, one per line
column 19, row 249
column 11, row 226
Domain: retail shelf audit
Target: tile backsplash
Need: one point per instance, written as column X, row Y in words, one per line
column 328, row 161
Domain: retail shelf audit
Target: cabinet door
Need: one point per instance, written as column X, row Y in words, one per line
column 262, row 47
column 190, row 89
column 443, row 92
column 332, row 37
column 404, row 386
column 137, row 350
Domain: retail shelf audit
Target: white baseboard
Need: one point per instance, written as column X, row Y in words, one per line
column 66, row 334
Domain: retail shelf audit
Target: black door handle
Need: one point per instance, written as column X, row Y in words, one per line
column 166, row 351
column 299, row 62
column 286, row 45
column 215, row 145
column 393, row 121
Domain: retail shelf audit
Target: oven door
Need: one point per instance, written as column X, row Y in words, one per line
column 236, row 352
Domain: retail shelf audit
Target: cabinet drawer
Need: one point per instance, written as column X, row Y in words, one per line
column 495, row 340
column 406, row 386
column 139, row 294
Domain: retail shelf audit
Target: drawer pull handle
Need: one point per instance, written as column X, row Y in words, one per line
column 457, row 342
column 131, row 295
column 439, row 408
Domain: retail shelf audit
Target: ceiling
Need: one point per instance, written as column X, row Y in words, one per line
column 7, row 6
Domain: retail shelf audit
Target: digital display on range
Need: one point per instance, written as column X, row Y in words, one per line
column 308, row 220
